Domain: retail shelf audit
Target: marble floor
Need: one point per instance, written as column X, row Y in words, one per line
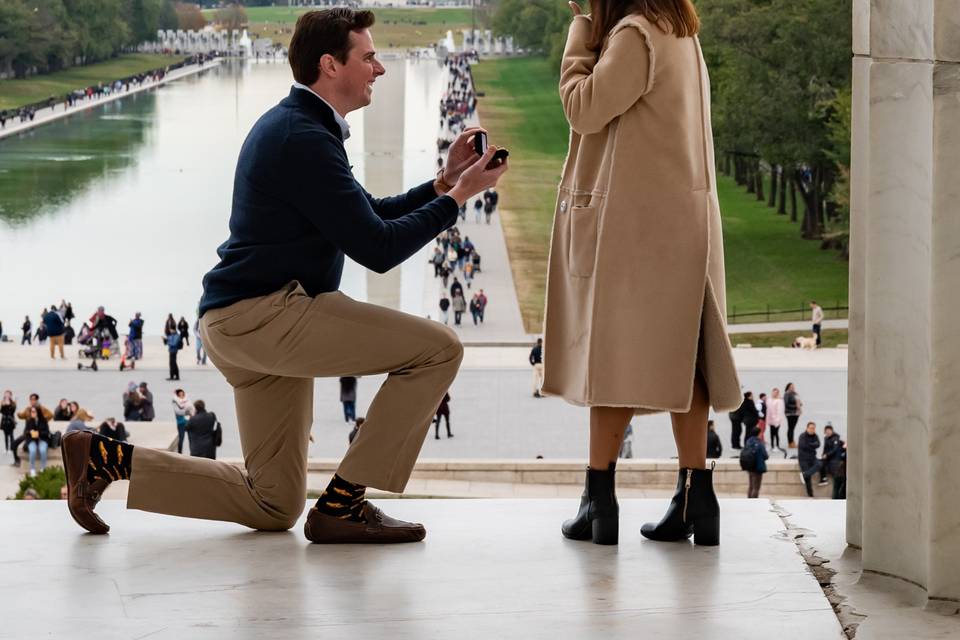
column 488, row 569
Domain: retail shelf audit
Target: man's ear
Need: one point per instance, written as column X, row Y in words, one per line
column 327, row 64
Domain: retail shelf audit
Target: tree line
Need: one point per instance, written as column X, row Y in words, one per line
column 780, row 77
column 43, row 36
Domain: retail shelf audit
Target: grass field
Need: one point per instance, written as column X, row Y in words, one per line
column 831, row 338
column 17, row 93
column 395, row 28
column 767, row 262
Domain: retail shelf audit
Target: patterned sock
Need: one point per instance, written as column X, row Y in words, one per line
column 343, row 499
column 109, row 459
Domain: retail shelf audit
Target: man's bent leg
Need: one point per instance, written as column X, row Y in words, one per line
column 291, row 334
column 274, row 415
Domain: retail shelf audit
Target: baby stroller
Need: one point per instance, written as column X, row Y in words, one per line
column 96, row 345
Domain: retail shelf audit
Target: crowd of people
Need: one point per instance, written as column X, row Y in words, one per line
column 98, row 91
column 99, row 336
column 455, row 255
column 39, row 433
column 750, row 423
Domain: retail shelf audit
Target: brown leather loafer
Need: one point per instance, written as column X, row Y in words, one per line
column 378, row 529
column 82, row 496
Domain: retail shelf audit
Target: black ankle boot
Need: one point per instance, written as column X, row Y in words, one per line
column 694, row 511
column 599, row 515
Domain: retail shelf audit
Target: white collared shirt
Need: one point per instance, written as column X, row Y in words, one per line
column 344, row 127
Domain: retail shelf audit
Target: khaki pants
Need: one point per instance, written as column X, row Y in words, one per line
column 56, row 341
column 537, row 377
column 270, row 349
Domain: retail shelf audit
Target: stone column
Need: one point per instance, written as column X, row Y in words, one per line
column 904, row 383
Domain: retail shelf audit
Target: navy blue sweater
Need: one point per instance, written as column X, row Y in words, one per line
column 297, row 209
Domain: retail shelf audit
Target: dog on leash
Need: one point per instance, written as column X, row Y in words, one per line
column 803, row 342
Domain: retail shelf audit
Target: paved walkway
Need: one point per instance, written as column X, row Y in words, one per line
column 502, row 320
column 493, row 412
column 57, row 111
column 803, row 328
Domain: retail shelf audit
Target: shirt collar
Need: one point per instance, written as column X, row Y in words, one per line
column 344, row 127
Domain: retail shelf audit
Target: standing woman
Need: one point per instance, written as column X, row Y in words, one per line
column 635, row 320
column 8, row 420
column 793, row 408
column 775, row 415
column 169, row 327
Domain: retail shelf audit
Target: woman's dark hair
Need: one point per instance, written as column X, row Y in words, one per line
column 200, row 406
column 789, row 387
column 319, row 33
column 678, row 17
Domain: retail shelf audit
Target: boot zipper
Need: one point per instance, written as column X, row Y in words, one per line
column 686, row 495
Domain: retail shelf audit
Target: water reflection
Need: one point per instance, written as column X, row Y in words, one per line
column 41, row 171
column 125, row 204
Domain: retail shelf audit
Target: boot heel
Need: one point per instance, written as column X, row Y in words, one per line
column 706, row 531
column 606, row 530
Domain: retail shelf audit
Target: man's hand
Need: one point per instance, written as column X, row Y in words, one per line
column 461, row 155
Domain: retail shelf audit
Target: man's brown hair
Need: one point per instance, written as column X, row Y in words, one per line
column 319, row 33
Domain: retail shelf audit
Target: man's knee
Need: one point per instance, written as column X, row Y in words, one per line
column 451, row 349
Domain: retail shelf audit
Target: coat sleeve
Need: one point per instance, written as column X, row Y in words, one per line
column 594, row 92
column 342, row 211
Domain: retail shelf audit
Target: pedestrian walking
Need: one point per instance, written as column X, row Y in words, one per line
column 54, row 328
column 174, row 345
column 136, row 335
column 817, row 318
column 443, row 411
column 444, row 307
column 831, row 445
column 808, row 444
column 8, row 420
column 753, row 460
column 536, row 361
column 169, row 327
column 482, row 304
column 475, row 309
column 348, row 397
column 459, row 306
column 26, row 327
column 198, row 343
column 183, row 328
column 793, row 409
column 204, row 431
column 477, row 210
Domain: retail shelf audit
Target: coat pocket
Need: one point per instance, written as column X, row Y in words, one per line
column 583, row 240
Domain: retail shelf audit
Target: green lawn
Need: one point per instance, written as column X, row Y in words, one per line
column 16, row 93
column 831, row 338
column 767, row 261
column 395, row 28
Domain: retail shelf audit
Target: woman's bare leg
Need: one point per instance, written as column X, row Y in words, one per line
column 607, row 425
column 690, row 429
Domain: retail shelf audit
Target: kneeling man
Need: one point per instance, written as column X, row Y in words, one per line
column 273, row 318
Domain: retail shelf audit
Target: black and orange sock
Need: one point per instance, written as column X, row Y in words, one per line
column 109, row 459
column 343, row 499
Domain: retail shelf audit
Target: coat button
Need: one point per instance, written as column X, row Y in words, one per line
column 563, row 206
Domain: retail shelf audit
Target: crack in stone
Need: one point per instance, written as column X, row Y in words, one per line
column 849, row 618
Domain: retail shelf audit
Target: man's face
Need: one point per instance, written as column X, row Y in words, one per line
column 828, row 432
column 357, row 76
column 811, row 429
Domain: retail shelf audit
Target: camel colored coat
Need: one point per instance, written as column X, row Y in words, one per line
column 636, row 296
